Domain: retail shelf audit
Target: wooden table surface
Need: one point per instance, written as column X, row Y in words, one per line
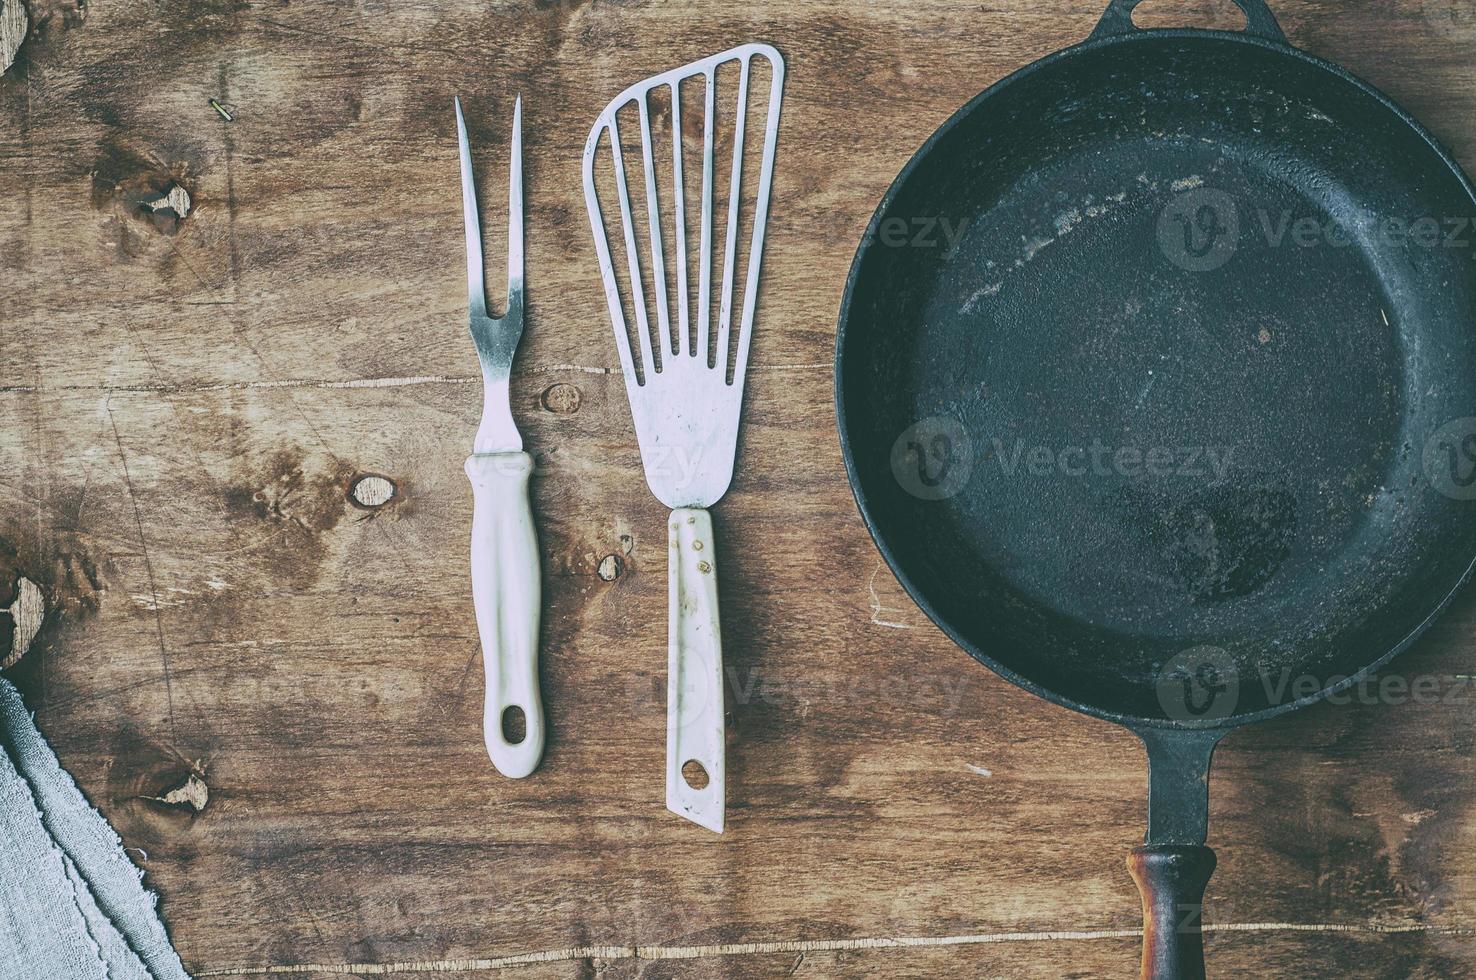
column 185, row 408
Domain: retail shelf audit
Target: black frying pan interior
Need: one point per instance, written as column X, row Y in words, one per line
column 1078, row 309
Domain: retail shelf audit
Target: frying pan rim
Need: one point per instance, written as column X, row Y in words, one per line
column 1132, row 722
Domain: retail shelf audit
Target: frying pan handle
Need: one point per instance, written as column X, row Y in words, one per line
column 1173, row 867
column 1259, row 21
column 1172, row 878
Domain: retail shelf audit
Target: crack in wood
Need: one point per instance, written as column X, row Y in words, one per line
column 405, row 382
column 803, row 947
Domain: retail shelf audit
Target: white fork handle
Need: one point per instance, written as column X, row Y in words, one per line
column 694, row 665
column 507, row 589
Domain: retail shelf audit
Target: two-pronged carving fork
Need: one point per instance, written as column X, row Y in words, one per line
column 685, row 377
column 506, row 584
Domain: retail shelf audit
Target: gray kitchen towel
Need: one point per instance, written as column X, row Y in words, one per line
column 71, row 903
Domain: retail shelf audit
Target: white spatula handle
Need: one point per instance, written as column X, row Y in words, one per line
column 507, row 588
column 695, row 727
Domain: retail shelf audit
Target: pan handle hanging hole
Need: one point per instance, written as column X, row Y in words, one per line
column 1259, row 21
column 1223, row 15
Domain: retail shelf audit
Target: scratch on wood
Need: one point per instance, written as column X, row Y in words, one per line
column 799, row 946
column 148, row 567
column 318, row 35
column 876, row 604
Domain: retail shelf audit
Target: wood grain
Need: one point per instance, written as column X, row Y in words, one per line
column 187, row 406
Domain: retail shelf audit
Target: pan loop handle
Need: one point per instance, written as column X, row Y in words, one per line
column 1259, row 21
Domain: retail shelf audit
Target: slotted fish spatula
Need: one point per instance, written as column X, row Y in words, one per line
column 685, row 375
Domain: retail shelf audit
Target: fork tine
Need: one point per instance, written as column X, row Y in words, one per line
column 476, row 286
column 760, row 219
column 515, row 214
column 735, row 195
column 632, row 256
column 658, row 247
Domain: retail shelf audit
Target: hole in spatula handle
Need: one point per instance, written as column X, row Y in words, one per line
column 514, row 725
column 695, row 775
